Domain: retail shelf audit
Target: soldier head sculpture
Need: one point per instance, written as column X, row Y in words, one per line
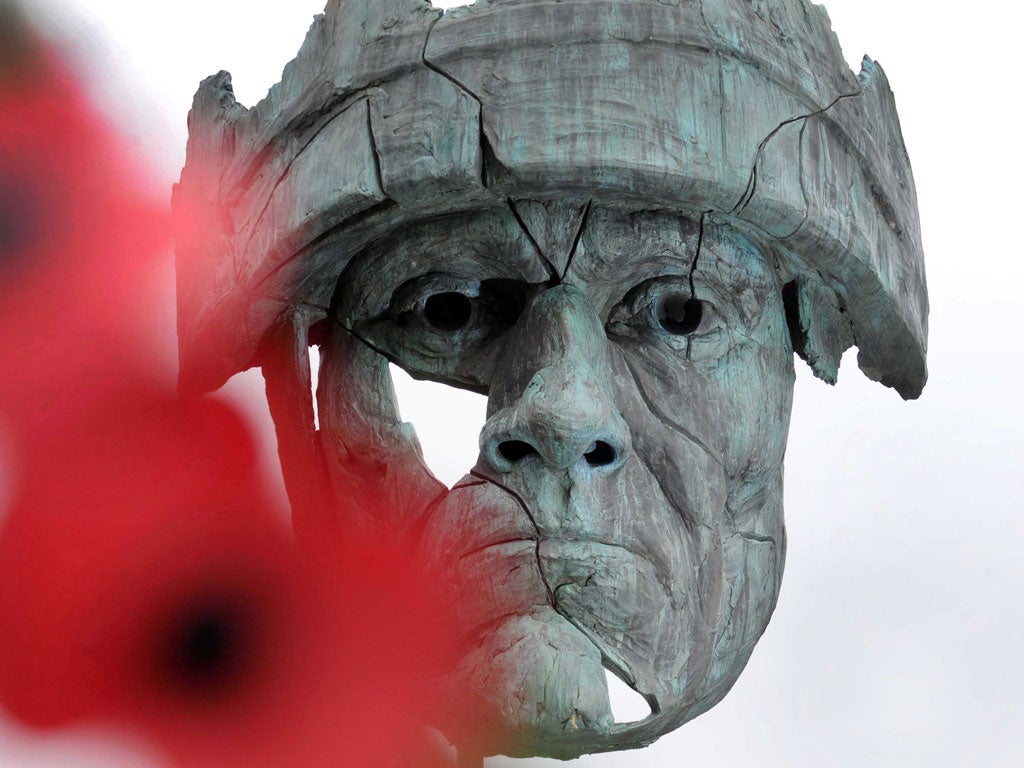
column 618, row 219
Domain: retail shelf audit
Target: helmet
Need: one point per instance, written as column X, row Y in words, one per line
column 395, row 111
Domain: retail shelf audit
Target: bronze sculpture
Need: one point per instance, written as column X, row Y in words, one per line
column 616, row 218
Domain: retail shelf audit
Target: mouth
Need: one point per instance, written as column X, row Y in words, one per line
column 540, row 616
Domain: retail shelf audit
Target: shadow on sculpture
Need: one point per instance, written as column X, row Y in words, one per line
column 618, row 219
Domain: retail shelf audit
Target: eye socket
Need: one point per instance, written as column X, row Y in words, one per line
column 679, row 314
column 662, row 311
column 449, row 311
column 440, row 305
column 445, row 315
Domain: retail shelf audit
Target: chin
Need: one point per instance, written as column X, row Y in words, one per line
column 672, row 608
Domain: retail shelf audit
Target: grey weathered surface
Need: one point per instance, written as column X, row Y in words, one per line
column 616, row 218
column 663, row 103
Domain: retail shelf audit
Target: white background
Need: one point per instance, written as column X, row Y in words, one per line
column 898, row 637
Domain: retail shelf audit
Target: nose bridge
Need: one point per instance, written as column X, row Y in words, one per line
column 570, row 331
column 558, row 331
column 553, row 396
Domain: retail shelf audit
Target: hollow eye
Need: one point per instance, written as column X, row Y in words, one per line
column 679, row 314
column 444, row 316
column 663, row 310
column 449, row 311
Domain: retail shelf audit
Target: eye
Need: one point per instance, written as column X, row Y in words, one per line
column 438, row 305
column 448, row 311
column 663, row 311
column 440, row 314
column 679, row 313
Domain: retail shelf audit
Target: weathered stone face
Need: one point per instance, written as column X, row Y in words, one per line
column 586, row 210
column 626, row 509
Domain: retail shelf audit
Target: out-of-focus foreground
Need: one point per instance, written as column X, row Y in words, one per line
column 149, row 585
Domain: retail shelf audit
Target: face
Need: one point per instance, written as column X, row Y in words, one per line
column 625, row 512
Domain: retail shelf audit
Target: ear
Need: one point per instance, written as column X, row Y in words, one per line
column 818, row 325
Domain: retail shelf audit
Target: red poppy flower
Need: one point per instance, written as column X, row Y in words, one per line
column 146, row 581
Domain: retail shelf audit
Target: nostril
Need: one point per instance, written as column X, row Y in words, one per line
column 600, row 454
column 514, row 450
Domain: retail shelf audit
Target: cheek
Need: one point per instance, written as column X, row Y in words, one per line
column 726, row 420
column 689, row 426
column 675, row 428
column 737, row 406
column 753, row 384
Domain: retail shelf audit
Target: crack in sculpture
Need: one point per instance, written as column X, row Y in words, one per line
column 434, row 68
column 555, row 277
column 328, row 113
column 693, row 271
column 362, row 340
column 576, row 240
column 667, row 420
column 617, row 667
column 751, row 189
column 533, row 522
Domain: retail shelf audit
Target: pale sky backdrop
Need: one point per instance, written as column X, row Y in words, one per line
column 899, row 635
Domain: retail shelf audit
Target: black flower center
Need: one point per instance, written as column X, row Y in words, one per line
column 208, row 648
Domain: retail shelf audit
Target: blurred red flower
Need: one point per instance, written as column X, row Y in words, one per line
column 82, row 239
column 147, row 581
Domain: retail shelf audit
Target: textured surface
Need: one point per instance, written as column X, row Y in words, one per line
column 739, row 107
column 618, row 219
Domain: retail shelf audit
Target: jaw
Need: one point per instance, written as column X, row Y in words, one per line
column 537, row 687
column 546, row 612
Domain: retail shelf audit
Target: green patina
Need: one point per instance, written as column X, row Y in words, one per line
column 618, row 219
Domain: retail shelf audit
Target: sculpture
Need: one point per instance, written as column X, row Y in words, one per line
column 616, row 218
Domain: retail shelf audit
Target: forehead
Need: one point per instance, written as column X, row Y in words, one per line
column 601, row 248
column 621, row 248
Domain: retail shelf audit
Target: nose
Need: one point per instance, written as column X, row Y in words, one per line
column 551, row 397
